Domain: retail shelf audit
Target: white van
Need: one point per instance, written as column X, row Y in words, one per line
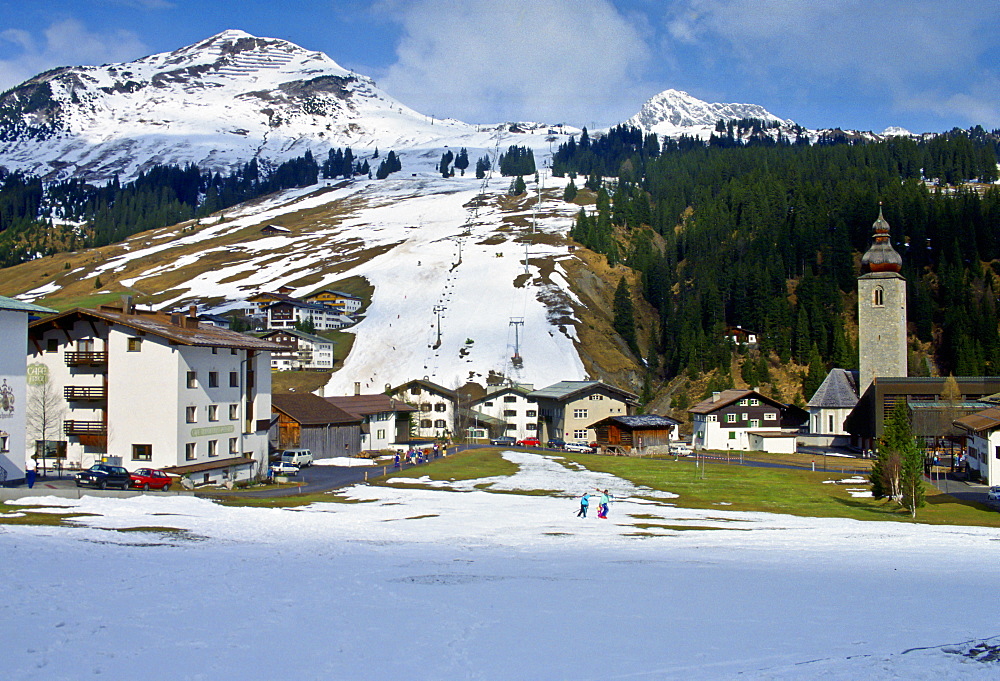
column 299, row 457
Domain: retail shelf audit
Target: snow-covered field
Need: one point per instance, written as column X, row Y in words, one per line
column 461, row 582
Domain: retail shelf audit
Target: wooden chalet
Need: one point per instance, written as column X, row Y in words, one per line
column 633, row 435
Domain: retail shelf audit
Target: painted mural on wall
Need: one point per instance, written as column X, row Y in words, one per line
column 7, row 404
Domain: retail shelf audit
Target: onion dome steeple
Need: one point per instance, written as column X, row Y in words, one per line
column 881, row 256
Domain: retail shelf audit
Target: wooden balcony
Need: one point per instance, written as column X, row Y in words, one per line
column 79, row 428
column 84, row 359
column 79, row 393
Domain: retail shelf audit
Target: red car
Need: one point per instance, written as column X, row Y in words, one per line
column 529, row 442
column 151, row 478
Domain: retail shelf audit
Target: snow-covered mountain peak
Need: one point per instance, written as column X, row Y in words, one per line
column 216, row 103
column 671, row 110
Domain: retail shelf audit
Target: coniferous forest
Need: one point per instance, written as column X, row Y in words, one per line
column 767, row 235
column 37, row 220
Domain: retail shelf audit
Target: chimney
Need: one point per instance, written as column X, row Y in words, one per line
column 127, row 307
column 177, row 319
column 191, row 321
column 192, row 310
column 715, row 396
column 357, row 388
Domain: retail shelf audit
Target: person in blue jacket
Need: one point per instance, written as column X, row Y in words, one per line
column 584, row 505
column 602, row 511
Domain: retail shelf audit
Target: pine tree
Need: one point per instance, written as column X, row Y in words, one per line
column 569, row 194
column 624, row 320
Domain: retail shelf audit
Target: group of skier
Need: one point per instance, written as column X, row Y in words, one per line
column 602, row 508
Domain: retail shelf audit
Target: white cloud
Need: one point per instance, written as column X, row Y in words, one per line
column 65, row 43
column 494, row 60
column 903, row 50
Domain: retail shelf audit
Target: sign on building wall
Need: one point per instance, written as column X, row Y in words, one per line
column 38, row 374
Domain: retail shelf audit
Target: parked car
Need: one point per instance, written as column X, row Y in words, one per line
column 503, row 441
column 529, row 442
column 299, row 457
column 284, row 468
column 556, row 443
column 579, row 447
column 993, row 494
column 151, row 478
column 103, row 475
column 681, row 449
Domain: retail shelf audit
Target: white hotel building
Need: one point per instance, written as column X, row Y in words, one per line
column 155, row 390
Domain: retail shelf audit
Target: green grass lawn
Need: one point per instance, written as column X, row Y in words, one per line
column 731, row 487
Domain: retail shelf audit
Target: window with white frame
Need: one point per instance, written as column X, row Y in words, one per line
column 579, row 434
column 730, row 418
column 744, row 402
column 596, row 397
column 754, row 423
column 754, row 402
column 579, row 413
column 770, row 416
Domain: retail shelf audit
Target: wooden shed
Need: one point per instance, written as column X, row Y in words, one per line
column 629, row 434
column 310, row 422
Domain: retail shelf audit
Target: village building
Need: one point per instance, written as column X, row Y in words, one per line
column 512, row 410
column 302, row 351
column 636, row 435
column 153, row 390
column 741, row 420
column 344, row 303
column 308, row 421
column 829, row 407
column 385, row 421
column 982, row 445
column 287, row 314
column 566, row 410
column 437, row 408
column 932, row 410
column 15, row 400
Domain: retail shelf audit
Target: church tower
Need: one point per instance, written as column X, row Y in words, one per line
column 881, row 310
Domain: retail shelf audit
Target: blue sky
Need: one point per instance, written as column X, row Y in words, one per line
column 925, row 65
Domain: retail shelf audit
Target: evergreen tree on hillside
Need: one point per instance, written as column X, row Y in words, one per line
column 482, row 167
column 462, row 160
column 624, row 315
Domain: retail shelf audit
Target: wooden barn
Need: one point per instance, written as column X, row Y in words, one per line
column 633, row 435
column 310, row 422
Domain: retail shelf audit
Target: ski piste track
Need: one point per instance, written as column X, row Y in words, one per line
column 517, row 304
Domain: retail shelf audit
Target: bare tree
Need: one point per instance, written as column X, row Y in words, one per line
column 44, row 412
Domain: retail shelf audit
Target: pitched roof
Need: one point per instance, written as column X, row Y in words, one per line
column 430, row 385
column 21, row 306
column 163, row 326
column 311, row 410
column 363, row 405
column 312, row 338
column 564, row 390
column 640, row 422
column 988, row 419
column 839, row 390
column 727, row 397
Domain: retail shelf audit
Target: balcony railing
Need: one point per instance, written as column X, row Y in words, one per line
column 85, row 428
column 82, row 393
column 77, row 359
